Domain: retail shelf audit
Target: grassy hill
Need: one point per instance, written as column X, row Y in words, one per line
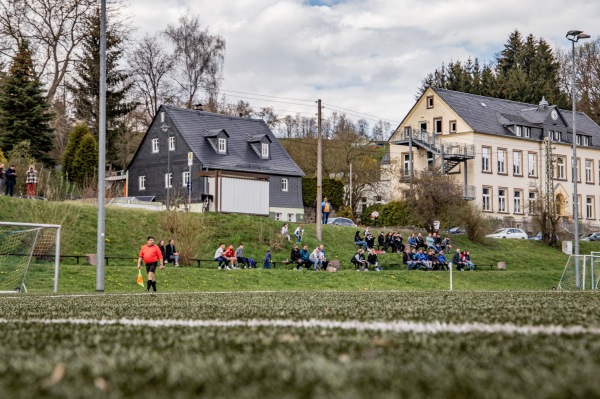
column 531, row 264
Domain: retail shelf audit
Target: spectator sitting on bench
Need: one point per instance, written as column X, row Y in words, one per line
column 381, row 241
column 407, row 259
column 442, row 261
column 230, row 255
column 372, row 259
column 457, row 261
column 397, row 244
column 296, row 258
column 466, row 259
column 432, row 259
column 446, row 245
column 239, row 255
column 305, row 255
column 412, row 241
column 420, row 242
column 172, row 254
column 220, row 257
column 323, row 257
column 314, row 258
column 359, row 241
column 429, row 241
column 369, row 239
column 423, row 259
column 389, row 238
column 163, row 251
column 359, row 261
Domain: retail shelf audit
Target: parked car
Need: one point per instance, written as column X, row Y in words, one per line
column 591, row 237
column 455, row 230
column 538, row 237
column 341, row 222
column 508, row 233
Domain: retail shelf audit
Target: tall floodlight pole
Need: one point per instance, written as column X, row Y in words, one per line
column 319, row 171
column 574, row 36
column 165, row 130
column 101, row 152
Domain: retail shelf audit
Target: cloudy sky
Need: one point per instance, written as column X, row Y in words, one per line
column 365, row 56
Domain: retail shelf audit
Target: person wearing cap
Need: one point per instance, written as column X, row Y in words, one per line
column 11, row 180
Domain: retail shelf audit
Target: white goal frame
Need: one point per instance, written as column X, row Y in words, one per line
column 58, row 228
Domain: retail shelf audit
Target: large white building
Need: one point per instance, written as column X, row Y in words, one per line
column 497, row 148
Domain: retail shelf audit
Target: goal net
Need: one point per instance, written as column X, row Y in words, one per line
column 29, row 257
column 581, row 272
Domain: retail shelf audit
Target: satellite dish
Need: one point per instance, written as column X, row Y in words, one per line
column 374, row 215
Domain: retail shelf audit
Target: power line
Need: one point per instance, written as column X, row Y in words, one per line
column 360, row 113
column 265, row 95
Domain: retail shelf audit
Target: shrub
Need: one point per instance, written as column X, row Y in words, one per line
column 187, row 229
column 475, row 223
column 333, row 190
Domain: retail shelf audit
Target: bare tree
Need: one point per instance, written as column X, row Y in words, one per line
column 149, row 66
column 54, row 29
column 199, row 55
column 545, row 213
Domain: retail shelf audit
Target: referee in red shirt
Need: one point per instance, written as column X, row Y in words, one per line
column 150, row 254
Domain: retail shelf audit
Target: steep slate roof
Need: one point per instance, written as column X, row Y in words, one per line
column 196, row 126
column 496, row 114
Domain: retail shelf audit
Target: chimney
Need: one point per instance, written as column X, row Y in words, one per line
column 543, row 103
column 198, row 107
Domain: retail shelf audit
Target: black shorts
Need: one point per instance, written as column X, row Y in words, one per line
column 151, row 267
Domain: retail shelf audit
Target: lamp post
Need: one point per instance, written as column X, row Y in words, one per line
column 574, row 36
column 165, row 129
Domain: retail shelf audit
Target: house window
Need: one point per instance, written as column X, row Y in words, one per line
column 586, row 140
column 452, row 126
column 284, row 184
column 517, row 163
column 168, row 180
column 526, row 131
column 406, row 164
column 429, row 158
column 589, row 174
column 290, row 217
column 172, row 143
column 264, row 150
column 532, row 164
column 278, row 216
column 517, row 201
column 502, row 200
column 518, row 131
column 578, row 139
column 162, row 116
column 486, row 199
column 429, row 101
column 155, row 147
column 560, row 168
column 589, row 207
column 185, row 178
column 532, row 199
column 437, row 125
column 556, row 136
column 423, row 126
column 222, row 145
column 578, row 170
column 485, row 159
column 407, row 131
column 142, row 183
column 502, row 161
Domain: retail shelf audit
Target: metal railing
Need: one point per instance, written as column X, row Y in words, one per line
column 437, row 144
column 470, row 193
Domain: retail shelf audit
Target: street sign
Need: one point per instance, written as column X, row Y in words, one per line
column 190, row 158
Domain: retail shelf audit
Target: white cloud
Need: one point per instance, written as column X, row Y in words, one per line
column 364, row 55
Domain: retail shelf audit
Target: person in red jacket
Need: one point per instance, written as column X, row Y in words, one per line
column 151, row 255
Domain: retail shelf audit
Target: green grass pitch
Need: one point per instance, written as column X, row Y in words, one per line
column 290, row 344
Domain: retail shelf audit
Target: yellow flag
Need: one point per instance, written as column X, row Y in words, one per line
column 140, row 279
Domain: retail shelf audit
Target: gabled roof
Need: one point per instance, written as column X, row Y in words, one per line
column 493, row 115
column 197, row 126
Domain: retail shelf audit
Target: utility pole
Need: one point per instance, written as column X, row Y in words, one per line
column 101, row 154
column 319, row 171
column 351, row 185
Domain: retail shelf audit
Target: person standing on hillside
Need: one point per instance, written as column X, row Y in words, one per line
column 11, row 180
column 1, row 176
column 326, row 208
column 151, row 255
column 31, row 178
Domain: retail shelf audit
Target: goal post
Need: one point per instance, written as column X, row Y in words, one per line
column 581, row 272
column 25, row 251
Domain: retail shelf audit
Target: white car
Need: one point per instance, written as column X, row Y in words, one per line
column 341, row 222
column 508, row 233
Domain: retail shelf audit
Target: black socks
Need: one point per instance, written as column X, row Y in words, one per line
column 152, row 284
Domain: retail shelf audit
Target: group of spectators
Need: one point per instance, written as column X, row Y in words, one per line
column 169, row 253
column 8, row 178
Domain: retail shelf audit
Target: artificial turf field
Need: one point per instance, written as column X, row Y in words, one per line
column 334, row 344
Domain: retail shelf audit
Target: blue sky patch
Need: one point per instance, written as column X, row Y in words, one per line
column 326, row 3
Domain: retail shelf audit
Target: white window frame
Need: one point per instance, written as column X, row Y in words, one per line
column 222, row 145
column 141, row 183
column 501, row 161
column 155, row 146
column 264, row 150
column 168, row 180
column 485, row 159
column 406, row 164
column 560, row 168
column 486, row 199
column 532, row 199
column 171, row 143
column 185, row 178
column 452, row 126
column 589, row 207
column 517, row 163
column 518, row 130
column 285, row 186
column 290, row 217
column 532, row 164
column 588, row 171
column 518, row 201
column 502, row 200
column 526, row 131
column 438, row 123
column 278, row 216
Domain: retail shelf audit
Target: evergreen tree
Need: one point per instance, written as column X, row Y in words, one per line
column 85, row 161
column 24, row 113
column 86, row 88
column 509, row 57
column 77, row 133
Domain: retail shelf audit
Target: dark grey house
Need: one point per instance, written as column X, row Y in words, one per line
column 237, row 163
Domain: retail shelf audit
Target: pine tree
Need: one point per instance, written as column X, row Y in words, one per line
column 75, row 137
column 24, row 113
column 85, row 162
column 509, row 57
column 86, row 89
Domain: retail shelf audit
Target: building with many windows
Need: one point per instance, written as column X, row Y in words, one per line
column 502, row 151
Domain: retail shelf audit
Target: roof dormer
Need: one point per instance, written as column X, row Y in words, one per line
column 261, row 145
column 218, row 140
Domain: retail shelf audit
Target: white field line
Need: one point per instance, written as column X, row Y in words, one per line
column 399, row 326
